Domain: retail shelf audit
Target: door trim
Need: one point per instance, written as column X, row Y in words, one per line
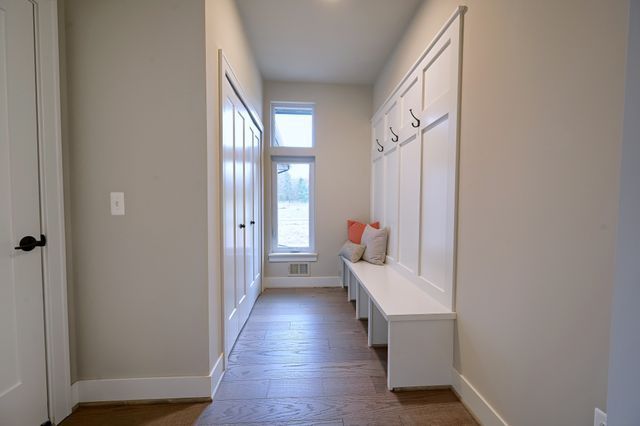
column 52, row 209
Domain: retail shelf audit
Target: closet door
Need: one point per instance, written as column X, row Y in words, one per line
column 231, row 322
column 257, row 211
column 241, row 213
column 252, row 190
column 249, row 191
column 240, row 137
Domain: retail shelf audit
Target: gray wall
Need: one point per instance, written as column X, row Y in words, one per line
column 143, row 296
column 624, row 374
column 343, row 134
column 542, row 101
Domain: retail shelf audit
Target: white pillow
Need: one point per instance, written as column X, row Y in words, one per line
column 352, row 251
column 375, row 242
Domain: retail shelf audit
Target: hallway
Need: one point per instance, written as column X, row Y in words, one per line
column 302, row 358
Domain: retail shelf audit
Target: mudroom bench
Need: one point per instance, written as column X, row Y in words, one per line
column 416, row 328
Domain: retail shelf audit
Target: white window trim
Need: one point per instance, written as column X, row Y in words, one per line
column 288, row 253
column 284, row 104
column 292, row 257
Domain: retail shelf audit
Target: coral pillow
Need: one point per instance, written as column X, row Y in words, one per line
column 356, row 229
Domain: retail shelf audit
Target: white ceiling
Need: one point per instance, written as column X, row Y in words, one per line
column 329, row 41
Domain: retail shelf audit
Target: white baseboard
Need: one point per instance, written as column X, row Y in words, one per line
column 148, row 388
column 475, row 402
column 217, row 372
column 301, row 282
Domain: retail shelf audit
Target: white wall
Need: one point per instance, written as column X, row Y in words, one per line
column 343, row 133
column 542, row 101
column 223, row 31
column 624, row 374
column 140, row 108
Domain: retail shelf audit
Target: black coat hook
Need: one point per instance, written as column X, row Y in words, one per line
column 381, row 147
column 395, row 137
column 415, row 125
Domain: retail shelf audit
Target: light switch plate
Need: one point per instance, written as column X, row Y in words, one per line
column 117, row 204
column 600, row 418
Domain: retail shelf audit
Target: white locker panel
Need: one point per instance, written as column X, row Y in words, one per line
column 437, row 75
column 378, row 190
column 410, row 95
column 377, row 145
column 409, row 204
column 391, row 201
column 392, row 124
column 438, row 163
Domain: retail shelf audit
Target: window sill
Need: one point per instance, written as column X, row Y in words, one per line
column 292, row 257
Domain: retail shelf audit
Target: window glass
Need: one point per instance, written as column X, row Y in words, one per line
column 293, row 205
column 292, row 127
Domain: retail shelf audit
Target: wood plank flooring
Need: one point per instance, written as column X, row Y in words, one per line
column 301, row 359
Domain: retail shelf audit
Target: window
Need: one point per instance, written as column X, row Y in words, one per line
column 293, row 204
column 292, row 125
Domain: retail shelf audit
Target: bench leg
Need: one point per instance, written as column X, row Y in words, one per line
column 362, row 303
column 378, row 330
column 341, row 269
column 420, row 353
column 352, row 286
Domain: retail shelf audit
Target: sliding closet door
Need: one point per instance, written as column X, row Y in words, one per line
column 241, row 213
column 252, row 139
column 231, row 323
column 257, row 211
column 248, row 205
column 241, row 276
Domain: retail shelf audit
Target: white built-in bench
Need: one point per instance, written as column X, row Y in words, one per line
column 417, row 329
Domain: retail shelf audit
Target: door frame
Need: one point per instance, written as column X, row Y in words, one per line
column 225, row 72
column 52, row 209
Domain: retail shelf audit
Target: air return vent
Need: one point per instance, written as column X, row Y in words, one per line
column 298, row 269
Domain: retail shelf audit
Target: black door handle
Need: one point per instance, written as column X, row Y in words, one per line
column 242, row 226
column 28, row 243
column 253, row 222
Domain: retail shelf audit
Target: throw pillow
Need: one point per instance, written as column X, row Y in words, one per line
column 351, row 251
column 356, row 229
column 375, row 242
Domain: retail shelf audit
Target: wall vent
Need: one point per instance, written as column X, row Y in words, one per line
column 298, row 269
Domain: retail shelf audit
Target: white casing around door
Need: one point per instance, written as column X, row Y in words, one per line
column 23, row 381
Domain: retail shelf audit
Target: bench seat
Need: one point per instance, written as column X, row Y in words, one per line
column 416, row 328
column 397, row 297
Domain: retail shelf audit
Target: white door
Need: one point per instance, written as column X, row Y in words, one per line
column 241, row 223
column 241, row 220
column 257, row 211
column 253, row 212
column 248, row 204
column 23, row 385
column 231, row 323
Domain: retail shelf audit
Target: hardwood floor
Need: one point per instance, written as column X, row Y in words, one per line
column 301, row 359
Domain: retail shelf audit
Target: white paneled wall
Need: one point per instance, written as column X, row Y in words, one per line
column 415, row 167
